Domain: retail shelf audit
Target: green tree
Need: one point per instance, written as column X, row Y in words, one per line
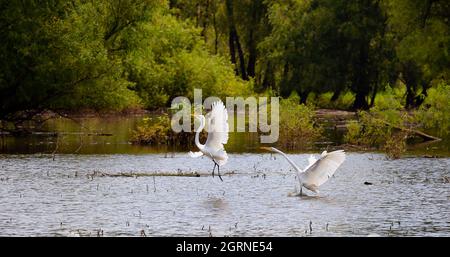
column 59, row 55
column 325, row 45
column 231, row 28
column 421, row 32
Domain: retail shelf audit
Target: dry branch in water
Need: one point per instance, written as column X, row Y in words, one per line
column 135, row 175
column 424, row 136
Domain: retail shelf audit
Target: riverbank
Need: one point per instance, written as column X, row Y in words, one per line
column 93, row 134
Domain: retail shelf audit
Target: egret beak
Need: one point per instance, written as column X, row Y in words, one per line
column 266, row 148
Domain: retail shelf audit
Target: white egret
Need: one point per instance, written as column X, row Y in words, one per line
column 217, row 127
column 318, row 171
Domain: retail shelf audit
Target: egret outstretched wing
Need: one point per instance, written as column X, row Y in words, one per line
column 311, row 161
column 217, row 127
column 322, row 169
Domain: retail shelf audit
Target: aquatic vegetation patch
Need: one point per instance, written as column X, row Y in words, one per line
column 434, row 113
column 298, row 128
column 158, row 131
column 387, row 130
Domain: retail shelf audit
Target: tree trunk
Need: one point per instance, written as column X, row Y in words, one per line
column 241, row 56
column 420, row 98
column 251, row 40
column 411, row 77
column 229, row 8
column 410, row 96
column 374, row 93
column 375, row 87
column 251, row 56
column 336, row 94
column 205, row 19
column 268, row 77
column 304, row 96
column 216, row 37
column 234, row 41
column 232, row 50
column 360, row 81
column 360, row 101
column 285, row 89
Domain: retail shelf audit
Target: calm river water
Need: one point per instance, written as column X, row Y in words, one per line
column 45, row 194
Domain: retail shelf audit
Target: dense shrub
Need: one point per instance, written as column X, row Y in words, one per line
column 297, row 126
column 373, row 131
column 158, row 131
column 435, row 111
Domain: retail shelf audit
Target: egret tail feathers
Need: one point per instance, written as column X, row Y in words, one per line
column 195, row 154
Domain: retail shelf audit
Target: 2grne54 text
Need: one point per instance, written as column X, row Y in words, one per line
column 225, row 247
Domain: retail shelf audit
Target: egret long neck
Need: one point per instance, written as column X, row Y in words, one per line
column 287, row 158
column 197, row 133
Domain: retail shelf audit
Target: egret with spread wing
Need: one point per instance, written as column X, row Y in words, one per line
column 217, row 125
column 318, row 171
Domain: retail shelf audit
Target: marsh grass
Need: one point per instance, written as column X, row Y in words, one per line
column 386, row 126
column 298, row 128
column 381, row 131
column 158, row 131
column 343, row 102
column 395, row 145
column 434, row 113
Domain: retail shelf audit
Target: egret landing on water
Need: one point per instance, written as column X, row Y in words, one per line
column 318, row 171
column 217, row 125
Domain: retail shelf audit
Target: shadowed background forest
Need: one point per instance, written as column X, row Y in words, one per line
column 389, row 56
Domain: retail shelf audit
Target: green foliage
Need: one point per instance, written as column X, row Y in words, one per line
column 435, row 111
column 367, row 131
column 56, row 55
column 343, row 102
column 370, row 132
column 297, row 127
column 387, row 125
column 115, row 55
column 395, row 145
column 109, row 55
column 379, row 129
column 233, row 29
column 158, row 131
column 161, row 74
column 169, row 60
column 390, row 99
column 153, row 131
column 388, row 107
column 422, row 37
column 318, row 46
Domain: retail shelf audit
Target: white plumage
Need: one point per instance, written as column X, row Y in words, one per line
column 216, row 123
column 318, row 171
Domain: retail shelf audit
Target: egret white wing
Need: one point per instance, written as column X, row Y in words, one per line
column 311, row 161
column 217, row 126
column 322, row 169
